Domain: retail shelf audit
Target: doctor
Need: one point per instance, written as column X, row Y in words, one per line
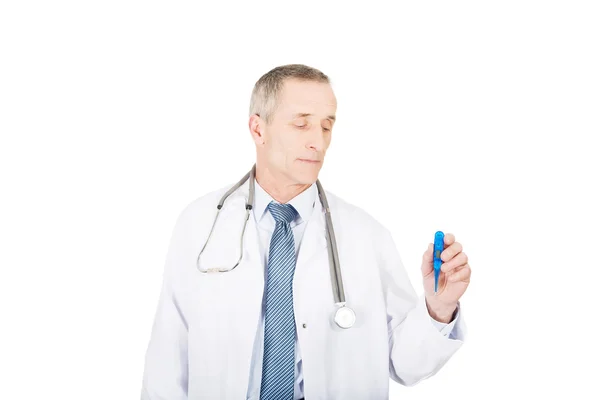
column 249, row 306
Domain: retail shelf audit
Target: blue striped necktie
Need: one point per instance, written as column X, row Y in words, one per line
column 280, row 325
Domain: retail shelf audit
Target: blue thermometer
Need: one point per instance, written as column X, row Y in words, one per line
column 438, row 247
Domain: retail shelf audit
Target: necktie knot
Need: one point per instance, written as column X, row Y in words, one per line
column 282, row 212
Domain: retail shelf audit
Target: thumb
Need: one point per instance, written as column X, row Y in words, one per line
column 427, row 264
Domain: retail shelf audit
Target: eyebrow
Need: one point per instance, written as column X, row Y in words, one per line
column 331, row 117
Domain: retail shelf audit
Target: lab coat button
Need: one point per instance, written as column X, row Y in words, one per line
column 304, row 325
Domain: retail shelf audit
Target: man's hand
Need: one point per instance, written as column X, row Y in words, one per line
column 454, row 278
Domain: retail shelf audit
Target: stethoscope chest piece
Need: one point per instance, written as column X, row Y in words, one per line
column 345, row 317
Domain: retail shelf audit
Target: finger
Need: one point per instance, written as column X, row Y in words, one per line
column 450, row 251
column 458, row 261
column 428, row 255
column 427, row 264
column 462, row 274
column 449, row 239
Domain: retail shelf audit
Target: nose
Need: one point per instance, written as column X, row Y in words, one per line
column 316, row 140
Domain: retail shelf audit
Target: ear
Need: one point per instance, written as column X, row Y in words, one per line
column 256, row 126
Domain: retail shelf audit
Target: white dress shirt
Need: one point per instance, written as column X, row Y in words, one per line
column 265, row 223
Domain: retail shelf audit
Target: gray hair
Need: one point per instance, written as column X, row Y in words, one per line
column 265, row 95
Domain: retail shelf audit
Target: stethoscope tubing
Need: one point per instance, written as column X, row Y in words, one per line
column 334, row 262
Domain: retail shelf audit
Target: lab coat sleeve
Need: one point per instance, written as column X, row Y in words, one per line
column 166, row 364
column 418, row 349
column 445, row 329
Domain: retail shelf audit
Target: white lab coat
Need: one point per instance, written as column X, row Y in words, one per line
column 205, row 324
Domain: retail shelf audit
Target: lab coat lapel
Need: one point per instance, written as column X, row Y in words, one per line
column 314, row 241
column 246, row 304
column 311, row 292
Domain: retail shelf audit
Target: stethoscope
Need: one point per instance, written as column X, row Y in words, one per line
column 344, row 316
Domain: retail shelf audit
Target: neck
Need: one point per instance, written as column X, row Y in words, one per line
column 277, row 185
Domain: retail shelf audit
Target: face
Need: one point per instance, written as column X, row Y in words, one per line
column 294, row 144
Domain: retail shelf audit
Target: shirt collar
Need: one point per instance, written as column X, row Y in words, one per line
column 303, row 203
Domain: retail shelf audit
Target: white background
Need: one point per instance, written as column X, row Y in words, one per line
column 475, row 118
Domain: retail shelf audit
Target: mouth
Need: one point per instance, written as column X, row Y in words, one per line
column 309, row 161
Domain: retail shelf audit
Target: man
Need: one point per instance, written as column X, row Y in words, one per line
column 265, row 328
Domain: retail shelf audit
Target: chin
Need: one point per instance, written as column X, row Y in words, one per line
column 307, row 176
